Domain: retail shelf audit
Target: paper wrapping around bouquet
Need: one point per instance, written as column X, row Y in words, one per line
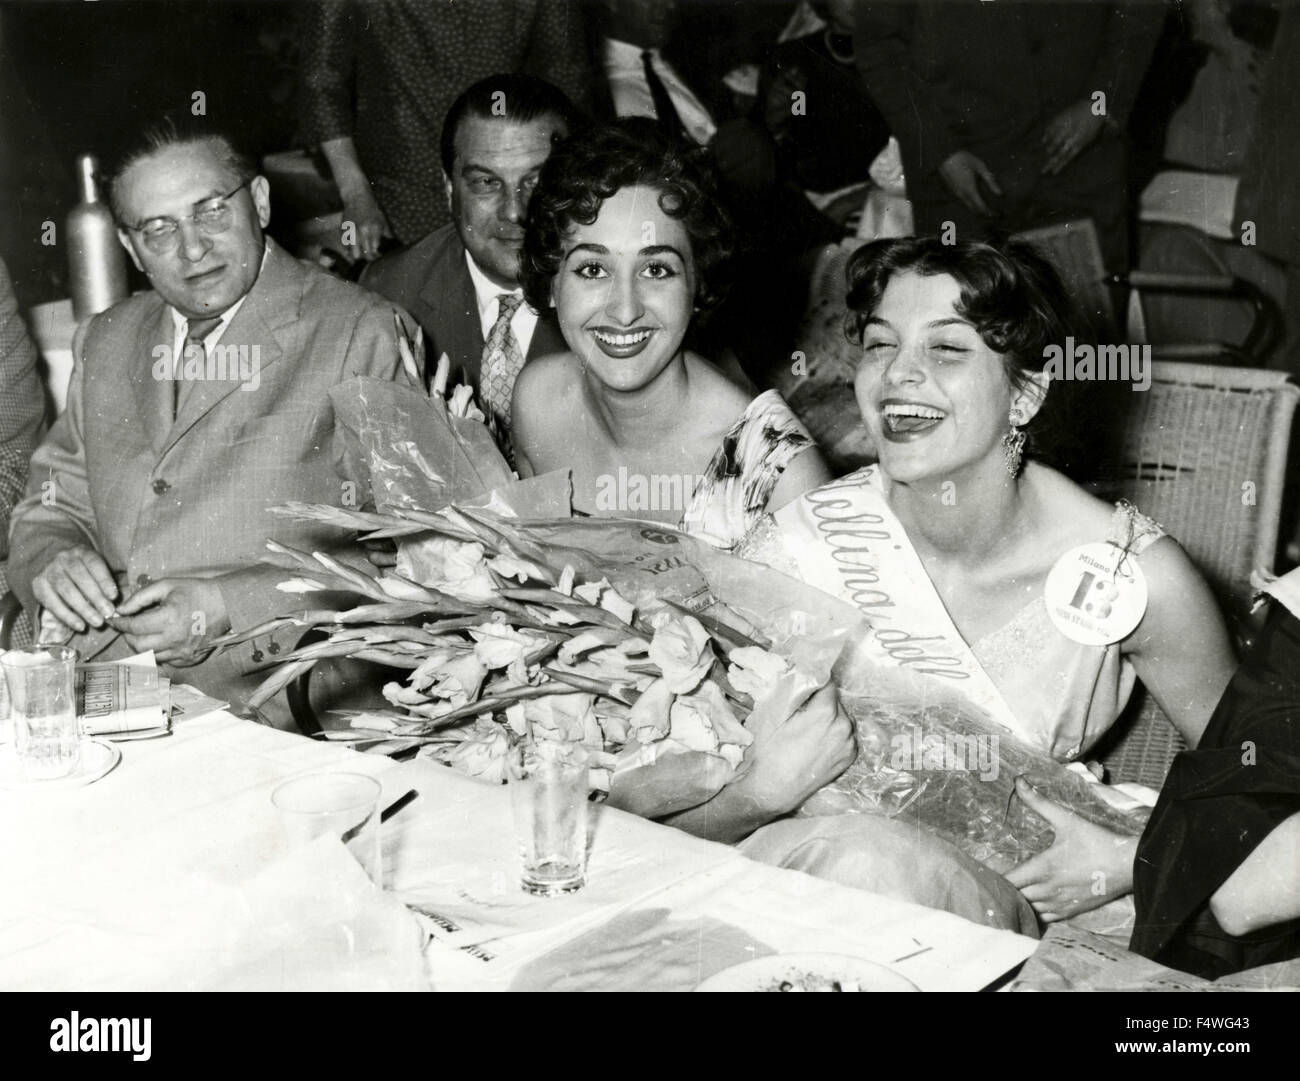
column 408, row 451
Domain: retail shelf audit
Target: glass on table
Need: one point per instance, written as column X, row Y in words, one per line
column 548, row 793
column 343, row 805
column 41, row 682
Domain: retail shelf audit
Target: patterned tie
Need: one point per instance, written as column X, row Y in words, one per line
column 195, row 331
column 501, row 363
column 669, row 118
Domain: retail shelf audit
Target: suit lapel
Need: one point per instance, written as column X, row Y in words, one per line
column 248, row 340
column 448, row 290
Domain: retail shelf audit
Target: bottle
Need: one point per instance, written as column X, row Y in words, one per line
column 96, row 261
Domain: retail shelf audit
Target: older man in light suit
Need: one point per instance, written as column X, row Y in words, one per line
column 194, row 409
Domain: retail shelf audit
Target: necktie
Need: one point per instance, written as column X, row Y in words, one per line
column 501, row 363
column 195, row 331
column 669, row 119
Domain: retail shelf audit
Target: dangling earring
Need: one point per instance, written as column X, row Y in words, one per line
column 1013, row 443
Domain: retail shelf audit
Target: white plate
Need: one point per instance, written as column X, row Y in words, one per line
column 97, row 758
column 809, row 971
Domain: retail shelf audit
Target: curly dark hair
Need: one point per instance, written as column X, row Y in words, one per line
column 596, row 163
column 1010, row 293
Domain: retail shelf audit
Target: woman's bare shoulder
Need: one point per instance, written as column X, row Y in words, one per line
column 718, row 396
column 1066, row 509
column 545, row 375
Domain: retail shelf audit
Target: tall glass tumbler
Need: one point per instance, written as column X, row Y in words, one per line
column 43, row 709
column 548, row 792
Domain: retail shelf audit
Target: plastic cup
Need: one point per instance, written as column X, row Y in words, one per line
column 344, row 805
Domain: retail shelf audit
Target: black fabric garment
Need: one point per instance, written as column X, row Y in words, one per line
column 835, row 135
column 1218, row 803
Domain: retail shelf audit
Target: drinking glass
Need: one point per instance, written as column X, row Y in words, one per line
column 43, row 709
column 548, row 793
column 345, row 805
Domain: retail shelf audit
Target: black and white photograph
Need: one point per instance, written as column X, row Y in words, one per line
column 649, row 495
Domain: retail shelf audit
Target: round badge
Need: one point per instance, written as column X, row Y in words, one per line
column 1095, row 594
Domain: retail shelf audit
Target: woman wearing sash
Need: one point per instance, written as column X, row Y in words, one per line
column 986, row 570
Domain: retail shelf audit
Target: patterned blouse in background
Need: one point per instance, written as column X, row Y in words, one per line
column 22, row 407
column 386, row 71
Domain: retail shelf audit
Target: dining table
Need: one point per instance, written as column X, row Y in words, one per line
column 173, row 872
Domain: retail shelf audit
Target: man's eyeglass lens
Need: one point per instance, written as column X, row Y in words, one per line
column 215, row 216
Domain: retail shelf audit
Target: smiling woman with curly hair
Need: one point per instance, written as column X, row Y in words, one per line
column 626, row 239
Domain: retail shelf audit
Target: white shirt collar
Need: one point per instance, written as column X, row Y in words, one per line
column 180, row 323
column 486, row 291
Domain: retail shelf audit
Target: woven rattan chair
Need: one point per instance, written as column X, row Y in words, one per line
column 1072, row 248
column 1204, row 453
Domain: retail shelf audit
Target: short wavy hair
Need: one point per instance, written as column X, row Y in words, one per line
column 596, row 163
column 177, row 128
column 1009, row 293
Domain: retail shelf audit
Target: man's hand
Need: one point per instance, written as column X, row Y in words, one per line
column 77, row 588
column 962, row 172
column 1069, row 133
column 360, row 208
column 1085, row 866
column 175, row 617
column 794, row 756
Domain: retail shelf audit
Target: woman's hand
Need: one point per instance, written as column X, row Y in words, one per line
column 370, row 225
column 1085, row 866
column 360, row 210
column 793, row 756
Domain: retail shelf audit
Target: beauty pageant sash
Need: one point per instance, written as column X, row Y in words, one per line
column 847, row 542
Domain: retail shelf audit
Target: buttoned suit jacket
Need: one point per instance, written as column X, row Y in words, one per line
column 191, row 497
column 431, row 281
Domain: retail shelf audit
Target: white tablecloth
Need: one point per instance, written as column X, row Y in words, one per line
column 172, row 873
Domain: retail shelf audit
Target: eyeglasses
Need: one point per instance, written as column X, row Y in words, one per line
column 211, row 217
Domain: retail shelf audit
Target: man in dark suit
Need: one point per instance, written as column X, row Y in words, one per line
column 194, row 409
column 1010, row 116
column 461, row 282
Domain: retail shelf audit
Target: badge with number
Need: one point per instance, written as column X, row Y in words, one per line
column 1096, row 594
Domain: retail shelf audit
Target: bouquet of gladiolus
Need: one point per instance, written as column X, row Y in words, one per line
column 501, row 635
column 596, row 631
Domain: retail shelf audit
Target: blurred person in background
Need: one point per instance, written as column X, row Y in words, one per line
column 1010, row 115
column 693, row 68
column 378, row 77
